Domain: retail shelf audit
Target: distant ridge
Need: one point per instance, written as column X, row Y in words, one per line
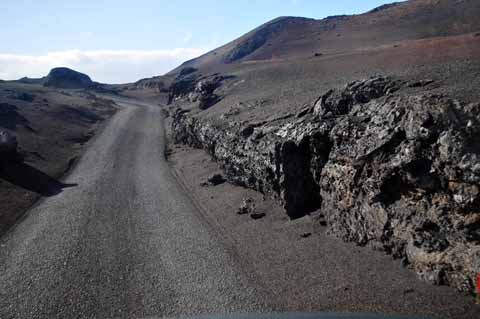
column 297, row 37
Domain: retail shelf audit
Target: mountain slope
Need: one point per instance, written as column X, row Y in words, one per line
column 293, row 37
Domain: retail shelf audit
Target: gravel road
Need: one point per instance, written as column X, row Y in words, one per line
column 124, row 242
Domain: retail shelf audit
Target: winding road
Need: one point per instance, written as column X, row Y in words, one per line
column 125, row 242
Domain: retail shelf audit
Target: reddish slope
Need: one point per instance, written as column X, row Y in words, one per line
column 292, row 37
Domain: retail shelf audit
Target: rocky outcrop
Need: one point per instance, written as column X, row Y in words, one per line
column 383, row 167
column 155, row 83
column 402, row 174
column 199, row 90
column 182, row 86
column 340, row 102
column 66, row 78
column 203, row 92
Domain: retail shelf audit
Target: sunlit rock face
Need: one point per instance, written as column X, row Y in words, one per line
column 395, row 170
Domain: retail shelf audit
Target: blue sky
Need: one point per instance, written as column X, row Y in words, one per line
column 140, row 38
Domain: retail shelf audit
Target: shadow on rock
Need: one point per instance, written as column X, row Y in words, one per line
column 10, row 118
column 32, row 179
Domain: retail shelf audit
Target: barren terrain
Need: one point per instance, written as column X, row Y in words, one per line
column 52, row 128
column 248, row 104
column 309, row 165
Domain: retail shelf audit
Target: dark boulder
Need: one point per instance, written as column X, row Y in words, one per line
column 247, row 206
column 216, row 179
column 257, row 215
column 66, row 78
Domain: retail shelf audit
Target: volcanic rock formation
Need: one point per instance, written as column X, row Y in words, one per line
column 383, row 167
column 66, row 78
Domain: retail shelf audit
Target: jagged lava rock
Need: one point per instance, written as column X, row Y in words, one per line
column 403, row 172
column 396, row 171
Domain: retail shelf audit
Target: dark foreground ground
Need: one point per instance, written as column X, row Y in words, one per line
column 305, row 268
column 130, row 240
column 52, row 127
column 124, row 242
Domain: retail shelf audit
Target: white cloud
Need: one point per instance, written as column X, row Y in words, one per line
column 107, row 66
